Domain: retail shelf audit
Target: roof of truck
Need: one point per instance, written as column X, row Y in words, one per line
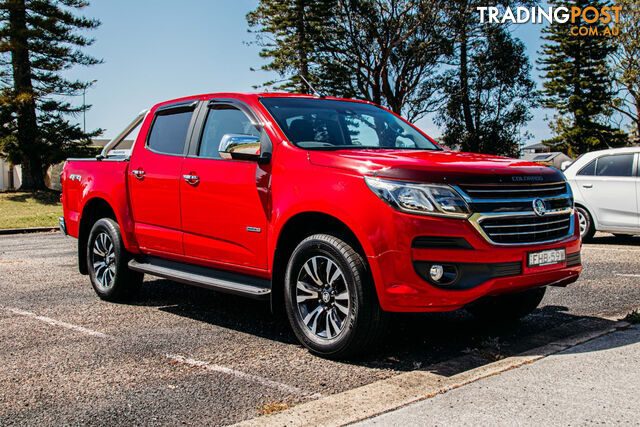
column 257, row 96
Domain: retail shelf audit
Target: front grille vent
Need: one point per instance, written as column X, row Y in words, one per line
column 481, row 191
column 526, row 229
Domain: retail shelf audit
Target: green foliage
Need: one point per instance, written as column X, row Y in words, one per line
column 578, row 85
column 626, row 64
column 387, row 52
column 487, row 91
column 288, row 32
column 408, row 56
column 381, row 51
column 39, row 41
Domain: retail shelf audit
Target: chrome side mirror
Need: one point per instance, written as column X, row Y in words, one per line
column 234, row 146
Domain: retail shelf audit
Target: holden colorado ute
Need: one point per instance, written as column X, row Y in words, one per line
column 336, row 210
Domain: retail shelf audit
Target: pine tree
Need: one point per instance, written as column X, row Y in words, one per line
column 487, row 91
column 39, row 40
column 288, row 31
column 579, row 84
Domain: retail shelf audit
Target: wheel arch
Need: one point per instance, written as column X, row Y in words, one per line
column 296, row 229
column 594, row 220
column 93, row 210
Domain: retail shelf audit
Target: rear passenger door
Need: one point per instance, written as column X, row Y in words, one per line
column 608, row 185
column 224, row 201
column 154, row 181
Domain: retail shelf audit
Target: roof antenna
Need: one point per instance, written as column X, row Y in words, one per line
column 313, row 89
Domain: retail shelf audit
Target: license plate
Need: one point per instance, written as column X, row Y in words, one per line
column 549, row 257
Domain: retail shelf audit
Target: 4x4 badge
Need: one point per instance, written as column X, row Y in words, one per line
column 539, row 207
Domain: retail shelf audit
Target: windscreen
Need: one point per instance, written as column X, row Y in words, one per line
column 321, row 124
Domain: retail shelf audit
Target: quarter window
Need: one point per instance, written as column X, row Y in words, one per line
column 590, row 169
column 617, row 165
column 169, row 131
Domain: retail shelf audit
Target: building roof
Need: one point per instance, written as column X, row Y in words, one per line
column 538, row 146
column 542, row 157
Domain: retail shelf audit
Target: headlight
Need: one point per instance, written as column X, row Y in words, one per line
column 421, row 199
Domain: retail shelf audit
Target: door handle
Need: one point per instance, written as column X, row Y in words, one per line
column 191, row 178
column 138, row 173
column 587, row 185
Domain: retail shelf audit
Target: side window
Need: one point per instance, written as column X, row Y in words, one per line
column 617, row 165
column 169, row 131
column 223, row 120
column 589, row 169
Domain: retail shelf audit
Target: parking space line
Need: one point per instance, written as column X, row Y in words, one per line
column 627, row 275
column 54, row 322
column 254, row 378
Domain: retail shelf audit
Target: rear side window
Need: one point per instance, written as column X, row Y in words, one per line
column 590, row 169
column 618, row 165
column 169, row 131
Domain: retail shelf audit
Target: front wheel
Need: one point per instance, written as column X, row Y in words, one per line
column 107, row 261
column 330, row 299
column 508, row 307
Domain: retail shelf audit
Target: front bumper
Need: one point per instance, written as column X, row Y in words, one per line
column 401, row 271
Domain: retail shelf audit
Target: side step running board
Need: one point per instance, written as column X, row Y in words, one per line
column 222, row 281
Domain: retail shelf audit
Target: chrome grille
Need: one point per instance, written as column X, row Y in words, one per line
column 480, row 191
column 526, row 229
column 504, row 213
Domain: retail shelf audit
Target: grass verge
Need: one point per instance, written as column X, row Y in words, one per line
column 22, row 209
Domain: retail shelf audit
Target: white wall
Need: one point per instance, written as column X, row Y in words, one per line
column 17, row 176
column 3, row 175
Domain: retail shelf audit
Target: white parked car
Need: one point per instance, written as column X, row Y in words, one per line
column 606, row 188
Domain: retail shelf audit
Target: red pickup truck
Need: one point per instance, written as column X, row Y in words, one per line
column 336, row 210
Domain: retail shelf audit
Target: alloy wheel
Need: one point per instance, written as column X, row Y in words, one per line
column 104, row 261
column 322, row 297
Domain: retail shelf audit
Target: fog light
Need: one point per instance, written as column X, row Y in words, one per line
column 436, row 272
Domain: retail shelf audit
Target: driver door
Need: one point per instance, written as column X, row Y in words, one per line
column 223, row 201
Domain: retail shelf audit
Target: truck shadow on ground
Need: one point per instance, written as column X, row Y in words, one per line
column 443, row 343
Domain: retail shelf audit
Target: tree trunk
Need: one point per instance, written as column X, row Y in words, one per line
column 464, row 90
column 303, row 66
column 637, row 120
column 32, row 176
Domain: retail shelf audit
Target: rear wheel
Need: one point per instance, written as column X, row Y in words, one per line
column 107, row 261
column 587, row 229
column 507, row 307
column 330, row 299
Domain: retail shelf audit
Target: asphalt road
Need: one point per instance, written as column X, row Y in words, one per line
column 179, row 354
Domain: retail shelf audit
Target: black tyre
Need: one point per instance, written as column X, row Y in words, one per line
column 107, row 263
column 508, row 307
column 587, row 229
column 330, row 298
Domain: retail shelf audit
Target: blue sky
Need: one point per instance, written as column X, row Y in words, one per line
column 155, row 50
